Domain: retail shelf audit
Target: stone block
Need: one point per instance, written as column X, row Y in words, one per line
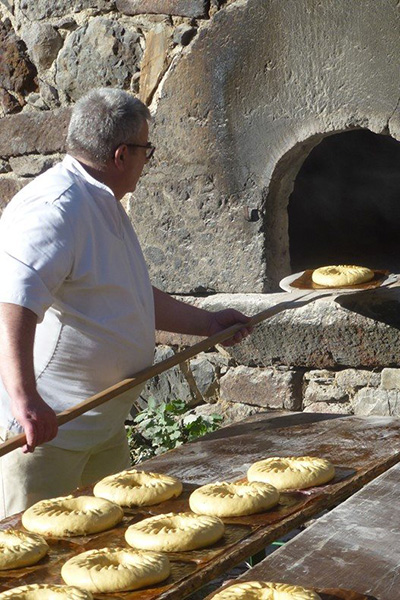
column 36, row 10
column 390, row 379
column 231, row 412
column 207, row 370
column 357, row 378
column 34, row 133
column 17, row 73
column 103, row 52
column 329, row 408
column 43, row 43
column 323, row 389
column 9, row 186
column 168, row 385
column 155, row 61
column 9, row 4
column 32, row 165
column 8, row 103
column 4, row 166
column 183, row 8
column 184, row 34
column 320, row 376
column 379, row 402
column 267, row 388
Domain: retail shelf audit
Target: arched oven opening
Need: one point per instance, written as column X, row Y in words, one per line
column 345, row 204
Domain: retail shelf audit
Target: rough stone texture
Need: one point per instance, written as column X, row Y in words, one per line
column 269, row 388
column 8, row 103
column 352, row 330
column 230, row 411
column 155, row 61
column 330, row 408
column 17, row 73
column 31, row 165
column 168, row 385
column 43, row 43
column 184, row 34
column 390, row 379
column 184, row 8
column 49, row 94
column 102, row 53
column 237, row 116
column 322, row 388
column 34, row 132
column 4, row 166
column 206, row 370
column 357, row 378
column 377, row 402
column 9, row 4
column 35, row 101
column 43, row 9
column 9, row 186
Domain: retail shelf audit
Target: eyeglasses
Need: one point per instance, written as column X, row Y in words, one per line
column 150, row 149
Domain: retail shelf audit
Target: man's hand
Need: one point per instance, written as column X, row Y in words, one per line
column 37, row 418
column 225, row 318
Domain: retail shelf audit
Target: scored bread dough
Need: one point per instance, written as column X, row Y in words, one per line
column 115, row 569
column 43, row 591
column 137, row 488
column 341, row 275
column 265, row 590
column 233, row 499
column 292, row 472
column 175, row 532
column 19, row 549
column 69, row 516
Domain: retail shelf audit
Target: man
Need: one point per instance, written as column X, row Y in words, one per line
column 77, row 310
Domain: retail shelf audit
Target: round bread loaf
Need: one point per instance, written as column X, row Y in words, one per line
column 19, row 549
column 292, row 472
column 175, row 532
column 137, row 488
column 341, row 276
column 233, row 499
column 70, row 516
column 115, row 570
column 264, row 590
column 43, row 591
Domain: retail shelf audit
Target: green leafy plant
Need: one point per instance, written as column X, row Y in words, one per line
column 161, row 427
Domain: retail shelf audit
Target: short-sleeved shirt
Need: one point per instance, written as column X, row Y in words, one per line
column 68, row 252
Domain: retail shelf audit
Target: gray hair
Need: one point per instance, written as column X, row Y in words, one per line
column 101, row 121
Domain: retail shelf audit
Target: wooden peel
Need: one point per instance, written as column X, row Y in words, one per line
column 146, row 374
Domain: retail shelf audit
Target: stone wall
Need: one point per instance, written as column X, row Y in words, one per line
column 353, row 339
column 54, row 52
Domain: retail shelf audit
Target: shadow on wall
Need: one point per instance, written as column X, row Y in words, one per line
column 345, row 205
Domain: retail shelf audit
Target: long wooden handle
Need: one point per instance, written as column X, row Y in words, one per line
column 148, row 373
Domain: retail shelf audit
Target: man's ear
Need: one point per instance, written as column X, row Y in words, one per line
column 120, row 157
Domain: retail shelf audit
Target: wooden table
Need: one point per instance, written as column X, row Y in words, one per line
column 355, row 546
column 361, row 449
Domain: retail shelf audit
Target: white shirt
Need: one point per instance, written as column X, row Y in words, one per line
column 68, row 252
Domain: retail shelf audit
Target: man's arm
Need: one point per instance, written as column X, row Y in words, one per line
column 179, row 317
column 17, row 334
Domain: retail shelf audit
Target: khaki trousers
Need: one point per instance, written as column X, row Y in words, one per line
column 50, row 471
